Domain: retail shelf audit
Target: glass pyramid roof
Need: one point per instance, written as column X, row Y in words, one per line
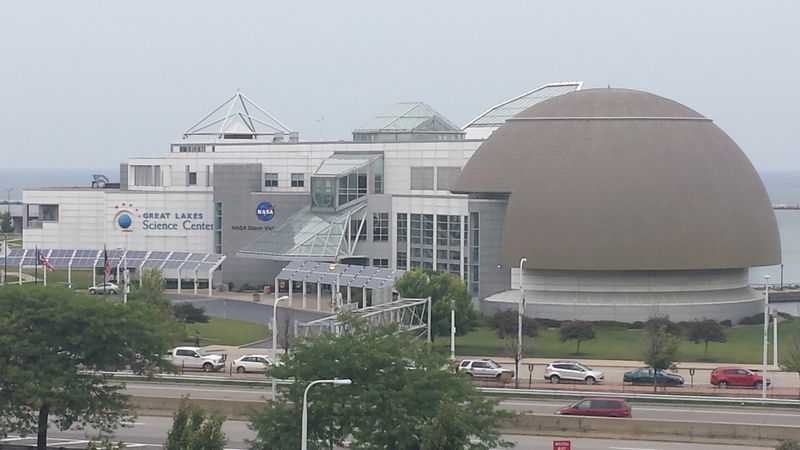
column 338, row 164
column 498, row 115
column 413, row 116
column 306, row 234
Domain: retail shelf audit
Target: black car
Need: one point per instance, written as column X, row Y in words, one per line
column 645, row 376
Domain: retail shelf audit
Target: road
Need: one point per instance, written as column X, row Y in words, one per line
column 149, row 433
column 705, row 413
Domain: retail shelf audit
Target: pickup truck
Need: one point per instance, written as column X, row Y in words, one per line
column 196, row 358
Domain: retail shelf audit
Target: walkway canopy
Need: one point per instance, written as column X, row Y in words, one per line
column 173, row 265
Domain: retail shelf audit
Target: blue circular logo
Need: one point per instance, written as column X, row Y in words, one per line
column 265, row 211
column 124, row 221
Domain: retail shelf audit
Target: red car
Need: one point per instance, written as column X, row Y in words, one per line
column 736, row 376
column 598, row 407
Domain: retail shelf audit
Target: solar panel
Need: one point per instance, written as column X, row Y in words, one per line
column 172, row 264
column 179, row 256
column 310, row 265
column 385, row 274
column 86, row 253
column 158, row 255
column 135, row 254
column 345, row 280
column 62, row 262
column 17, row 253
column 286, row 274
column 375, row 283
column 204, row 268
column 82, row 262
column 353, row 269
column 313, row 277
column 14, row 260
column 359, row 282
column 369, row 271
column 293, row 265
column 213, row 258
column 152, row 264
column 328, row 278
column 197, row 256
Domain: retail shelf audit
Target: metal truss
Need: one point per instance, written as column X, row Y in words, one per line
column 412, row 315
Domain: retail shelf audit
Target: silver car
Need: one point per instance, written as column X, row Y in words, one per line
column 485, row 368
column 558, row 371
column 104, row 288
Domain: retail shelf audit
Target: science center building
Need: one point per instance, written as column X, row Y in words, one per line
column 602, row 204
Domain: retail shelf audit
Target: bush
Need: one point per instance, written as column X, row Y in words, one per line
column 755, row 319
column 726, row 323
column 548, row 323
column 790, row 444
column 638, row 325
column 188, row 313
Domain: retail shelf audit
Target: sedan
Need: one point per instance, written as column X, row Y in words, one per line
column 252, row 363
column 598, row 407
column 645, row 376
column 104, row 288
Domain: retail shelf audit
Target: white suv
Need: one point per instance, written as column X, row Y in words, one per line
column 485, row 368
column 558, row 371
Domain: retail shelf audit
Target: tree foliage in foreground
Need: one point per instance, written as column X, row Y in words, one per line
column 401, row 397
column 442, row 288
column 49, row 335
column 193, row 429
column 660, row 350
column 576, row 330
column 792, row 362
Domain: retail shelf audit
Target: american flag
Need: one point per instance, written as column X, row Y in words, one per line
column 45, row 263
column 106, row 264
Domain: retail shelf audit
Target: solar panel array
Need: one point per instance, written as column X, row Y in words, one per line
column 187, row 262
column 344, row 274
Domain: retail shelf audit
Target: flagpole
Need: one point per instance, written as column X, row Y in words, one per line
column 44, row 271
column 5, row 258
column 105, row 262
column 36, row 270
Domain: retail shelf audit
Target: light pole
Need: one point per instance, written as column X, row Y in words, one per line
column 275, row 342
column 520, row 310
column 766, row 335
column 335, row 382
column 8, row 200
column 452, row 330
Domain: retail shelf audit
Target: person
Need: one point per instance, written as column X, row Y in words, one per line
column 197, row 339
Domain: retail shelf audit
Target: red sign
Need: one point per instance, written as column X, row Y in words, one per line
column 562, row 445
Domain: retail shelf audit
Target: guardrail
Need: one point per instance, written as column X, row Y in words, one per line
column 491, row 390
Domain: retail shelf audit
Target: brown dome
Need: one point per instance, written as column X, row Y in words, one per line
column 615, row 179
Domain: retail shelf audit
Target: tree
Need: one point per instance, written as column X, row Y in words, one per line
column 51, row 341
column 6, row 223
column 399, row 393
column 443, row 288
column 789, row 444
column 706, row 331
column 576, row 330
column 188, row 313
column 660, row 350
column 285, row 333
column 657, row 322
column 506, row 323
column 192, row 429
column 792, row 363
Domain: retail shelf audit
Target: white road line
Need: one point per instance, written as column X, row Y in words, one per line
column 631, row 448
column 132, row 423
column 70, row 442
column 15, row 438
column 701, row 411
column 165, row 388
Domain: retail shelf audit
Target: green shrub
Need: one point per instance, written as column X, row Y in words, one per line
column 790, row 444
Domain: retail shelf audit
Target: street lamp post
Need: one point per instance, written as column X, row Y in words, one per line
column 452, row 330
column 335, row 382
column 520, row 310
column 275, row 342
column 766, row 336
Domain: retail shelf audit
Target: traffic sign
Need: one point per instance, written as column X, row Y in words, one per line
column 562, row 445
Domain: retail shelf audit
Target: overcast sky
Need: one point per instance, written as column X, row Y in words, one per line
column 88, row 84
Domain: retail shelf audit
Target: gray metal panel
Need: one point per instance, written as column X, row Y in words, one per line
column 422, row 178
column 647, row 184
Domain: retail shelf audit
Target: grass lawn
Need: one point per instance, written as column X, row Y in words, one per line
column 219, row 331
column 81, row 279
column 743, row 346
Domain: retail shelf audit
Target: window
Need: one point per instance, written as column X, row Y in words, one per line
column 48, row 213
column 270, row 180
column 427, row 229
column 192, row 148
column 474, row 256
column 352, row 187
column 416, row 229
column 146, row 175
column 322, row 192
column 402, row 227
column 355, row 224
column 377, row 176
column 422, row 178
column 380, row 227
column 192, row 179
column 298, row 179
column 379, row 262
column 218, row 227
column 402, row 260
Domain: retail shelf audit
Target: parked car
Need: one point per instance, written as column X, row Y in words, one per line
column 485, row 368
column 599, row 407
column 736, row 376
column 252, row 363
column 645, row 376
column 104, row 288
column 558, row 371
column 196, row 358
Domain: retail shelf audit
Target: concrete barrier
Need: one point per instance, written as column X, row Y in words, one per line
column 664, row 430
column 166, row 406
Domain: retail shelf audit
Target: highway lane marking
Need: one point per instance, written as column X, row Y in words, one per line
column 631, row 448
column 218, row 390
column 15, row 438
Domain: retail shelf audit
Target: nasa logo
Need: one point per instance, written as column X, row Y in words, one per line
column 265, row 211
column 123, row 217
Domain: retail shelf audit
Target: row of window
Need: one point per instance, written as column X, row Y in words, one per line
column 422, row 178
column 296, row 180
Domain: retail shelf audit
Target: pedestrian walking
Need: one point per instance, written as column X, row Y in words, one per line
column 197, row 339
